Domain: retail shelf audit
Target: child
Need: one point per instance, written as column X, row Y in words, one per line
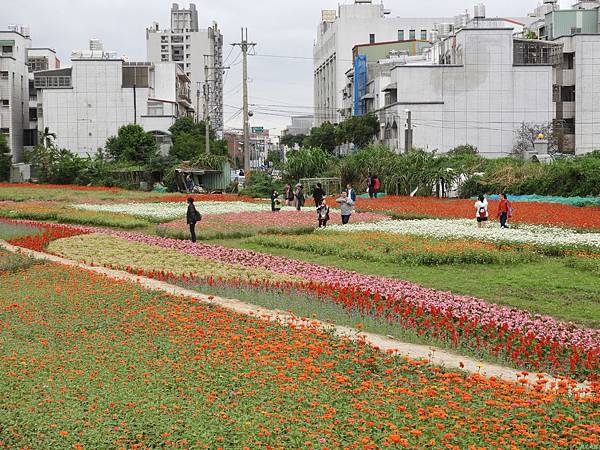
column 481, row 208
column 323, row 214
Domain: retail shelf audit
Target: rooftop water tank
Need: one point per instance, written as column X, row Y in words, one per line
column 479, row 11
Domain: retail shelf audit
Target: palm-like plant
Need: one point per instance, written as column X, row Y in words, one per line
column 47, row 137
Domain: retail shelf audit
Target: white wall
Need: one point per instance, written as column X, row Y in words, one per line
column 480, row 103
column 587, row 93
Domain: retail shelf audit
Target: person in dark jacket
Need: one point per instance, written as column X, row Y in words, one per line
column 318, row 194
column 193, row 217
column 299, row 197
column 275, row 203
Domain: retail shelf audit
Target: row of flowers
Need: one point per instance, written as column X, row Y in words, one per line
column 531, row 213
column 462, row 228
column 167, row 211
column 522, row 337
column 41, row 234
column 69, row 187
column 108, row 364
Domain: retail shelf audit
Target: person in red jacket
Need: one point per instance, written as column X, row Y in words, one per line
column 504, row 210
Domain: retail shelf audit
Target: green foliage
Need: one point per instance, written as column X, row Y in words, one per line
column 132, row 144
column 212, row 162
column 54, row 165
column 260, row 185
column 307, row 163
column 187, row 146
column 291, row 140
column 189, row 140
column 14, row 263
column 323, row 137
column 358, row 130
column 5, row 159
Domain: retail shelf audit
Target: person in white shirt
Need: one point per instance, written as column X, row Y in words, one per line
column 481, row 211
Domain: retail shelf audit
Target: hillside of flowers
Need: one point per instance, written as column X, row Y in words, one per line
column 524, row 339
column 107, row 364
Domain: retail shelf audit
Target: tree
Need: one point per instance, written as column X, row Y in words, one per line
column 291, row 140
column 323, row 137
column 528, row 133
column 54, row 165
column 189, row 140
column 187, row 146
column 132, row 144
column 358, row 130
column 5, row 159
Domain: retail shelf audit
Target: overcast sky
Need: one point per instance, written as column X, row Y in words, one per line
column 280, row 27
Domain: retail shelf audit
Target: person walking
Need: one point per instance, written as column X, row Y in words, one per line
column 299, row 197
column 288, row 194
column 504, row 210
column 376, row 186
column 318, row 194
column 481, row 208
column 275, row 203
column 193, row 217
column 346, row 207
column 351, row 192
column 323, row 214
column 371, row 185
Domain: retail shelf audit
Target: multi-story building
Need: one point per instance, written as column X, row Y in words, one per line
column 14, row 87
column 301, row 125
column 339, row 31
column 478, row 86
column 577, row 78
column 199, row 53
column 87, row 103
column 38, row 59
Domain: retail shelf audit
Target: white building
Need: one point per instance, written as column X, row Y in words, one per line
column 87, row 103
column 194, row 50
column 300, row 125
column 339, row 31
column 14, row 87
column 577, row 78
column 478, row 87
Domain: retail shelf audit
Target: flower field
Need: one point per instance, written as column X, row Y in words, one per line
column 401, row 249
column 242, row 224
column 447, row 228
column 107, row 364
column 36, row 210
column 524, row 339
column 167, row 211
column 530, row 213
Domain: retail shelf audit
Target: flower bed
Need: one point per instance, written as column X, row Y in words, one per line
column 401, row 249
column 532, row 213
column 108, row 364
column 36, row 236
column 167, row 211
column 34, row 210
column 444, row 228
column 525, row 339
column 245, row 224
column 111, row 251
column 69, row 187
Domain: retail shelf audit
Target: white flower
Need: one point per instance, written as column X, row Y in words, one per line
column 447, row 228
column 167, row 211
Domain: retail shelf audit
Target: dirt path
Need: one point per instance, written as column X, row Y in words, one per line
column 435, row 356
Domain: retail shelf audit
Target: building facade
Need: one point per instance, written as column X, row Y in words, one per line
column 198, row 52
column 301, row 125
column 87, row 103
column 478, row 87
column 338, row 33
column 14, row 88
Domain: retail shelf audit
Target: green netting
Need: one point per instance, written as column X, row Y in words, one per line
column 573, row 201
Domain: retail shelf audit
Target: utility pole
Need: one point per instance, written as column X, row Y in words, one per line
column 244, row 45
column 408, row 136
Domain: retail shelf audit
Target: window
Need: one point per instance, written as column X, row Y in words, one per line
column 412, row 35
column 3, row 75
column 400, row 35
column 4, row 130
column 567, row 94
column 7, row 49
column 569, row 61
column 33, row 114
column 164, row 58
column 5, row 102
column 155, row 109
column 37, row 63
column 423, row 35
column 164, row 39
column 371, row 39
column 138, row 76
column 52, row 82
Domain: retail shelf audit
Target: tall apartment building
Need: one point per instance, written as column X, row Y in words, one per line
column 87, row 103
column 339, row 31
column 577, row 78
column 199, row 53
column 14, row 87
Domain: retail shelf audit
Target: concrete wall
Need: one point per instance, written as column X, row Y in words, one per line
column 481, row 102
column 587, row 93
